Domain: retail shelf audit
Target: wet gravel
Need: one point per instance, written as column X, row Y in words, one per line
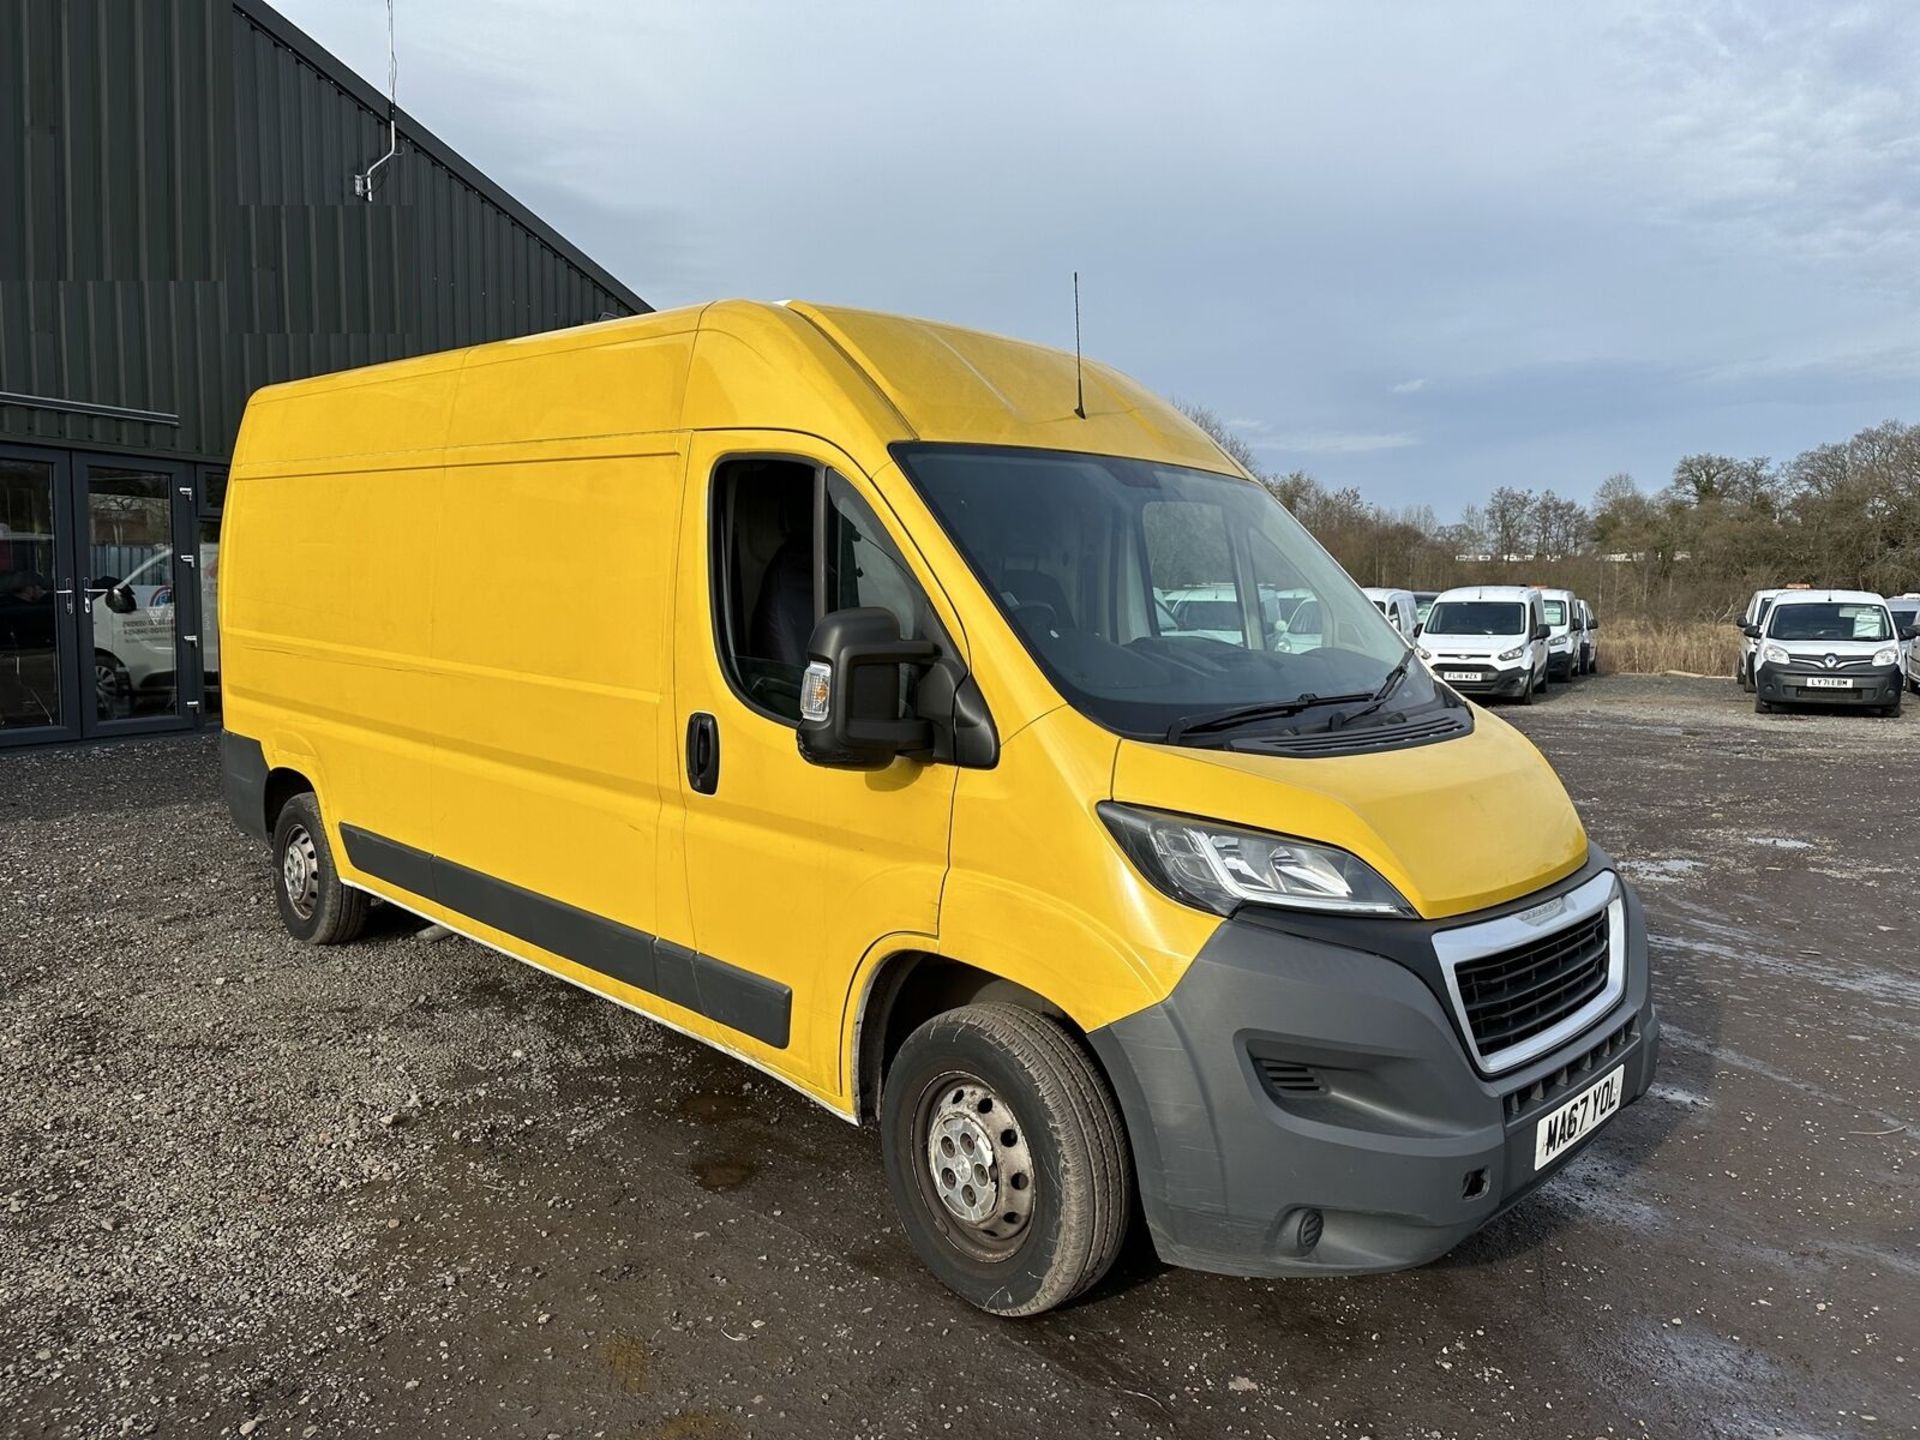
column 412, row 1188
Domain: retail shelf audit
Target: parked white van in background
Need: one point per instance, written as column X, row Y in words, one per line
column 1563, row 644
column 1828, row 647
column 1589, row 656
column 1397, row 605
column 1906, row 615
column 1754, row 615
column 1488, row 640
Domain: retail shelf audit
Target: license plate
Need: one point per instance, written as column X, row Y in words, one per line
column 1567, row 1126
column 1459, row 674
column 1827, row 682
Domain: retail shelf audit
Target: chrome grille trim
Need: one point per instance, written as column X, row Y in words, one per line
column 1456, row 947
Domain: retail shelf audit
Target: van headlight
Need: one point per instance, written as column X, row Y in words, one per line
column 1888, row 656
column 1424, row 654
column 1774, row 654
column 1514, row 654
column 1219, row 867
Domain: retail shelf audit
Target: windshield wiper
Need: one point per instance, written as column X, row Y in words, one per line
column 1380, row 696
column 1239, row 715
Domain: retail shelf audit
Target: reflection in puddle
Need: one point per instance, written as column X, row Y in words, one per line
column 721, row 1172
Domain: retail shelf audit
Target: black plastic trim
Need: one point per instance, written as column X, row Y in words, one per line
column 243, row 782
column 736, row 998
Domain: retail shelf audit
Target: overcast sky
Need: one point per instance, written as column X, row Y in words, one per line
column 1421, row 249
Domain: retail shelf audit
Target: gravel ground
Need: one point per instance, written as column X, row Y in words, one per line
column 409, row 1187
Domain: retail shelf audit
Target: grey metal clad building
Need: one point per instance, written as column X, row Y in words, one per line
column 179, row 226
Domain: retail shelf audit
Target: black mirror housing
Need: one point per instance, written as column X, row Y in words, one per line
column 1752, row 632
column 1541, row 632
column 1912, row 632
column 120, row 600
column 860, row 723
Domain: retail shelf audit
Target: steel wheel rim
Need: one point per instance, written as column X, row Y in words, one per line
column 300, row 872
column 106, row 687
column 974, row 1166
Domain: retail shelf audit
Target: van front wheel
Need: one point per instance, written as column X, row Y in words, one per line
column 1007, row 1158
column 314, row 905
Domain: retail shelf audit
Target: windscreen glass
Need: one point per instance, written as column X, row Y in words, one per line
column 1152, row 594
column 1556, row 612
column 1830, row 620
column 1477, row 617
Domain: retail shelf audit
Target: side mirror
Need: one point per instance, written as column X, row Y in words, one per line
column 120, row 600
column 1912, row 632
column 1417, row 628
column 1540, row 632
column 851, row 715
column 1752, row 632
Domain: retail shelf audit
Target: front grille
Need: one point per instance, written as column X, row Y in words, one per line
column 1570, row 1076
column 1510, row 997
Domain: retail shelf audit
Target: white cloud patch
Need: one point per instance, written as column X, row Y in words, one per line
column 1409, row 387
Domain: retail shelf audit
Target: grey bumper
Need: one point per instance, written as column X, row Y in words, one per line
column 1403, row 1149
column 1790, row 685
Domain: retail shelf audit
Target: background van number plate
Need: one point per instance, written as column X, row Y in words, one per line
column 1459, row 675
column 1567, row 1126
column 1829, row 682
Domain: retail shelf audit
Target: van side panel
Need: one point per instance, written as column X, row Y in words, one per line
column 552, row 627
column 324, row 624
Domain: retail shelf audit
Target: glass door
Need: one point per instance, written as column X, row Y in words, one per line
column 139, row 595
column 39, row 606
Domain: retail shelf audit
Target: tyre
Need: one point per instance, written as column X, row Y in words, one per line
column 1526, row 692
column 314, row 905
column 112, row 687
column 1006, row 1157
column 1761, row 707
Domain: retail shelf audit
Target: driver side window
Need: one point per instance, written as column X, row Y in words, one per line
column 792, row 542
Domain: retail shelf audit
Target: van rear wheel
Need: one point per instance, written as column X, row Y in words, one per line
column 314, row 905
column 1007, row 1158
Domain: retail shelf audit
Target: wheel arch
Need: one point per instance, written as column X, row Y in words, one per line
column 909, row 987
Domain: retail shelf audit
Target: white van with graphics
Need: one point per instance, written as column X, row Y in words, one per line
column 1488, row 640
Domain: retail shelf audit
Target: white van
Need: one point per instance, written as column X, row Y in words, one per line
column 1589, row 660
column 1563, row 641
column 1828, row 647
column 1906, row 615
column 1488, row 640
column 1752, row 618
column 1398, row 606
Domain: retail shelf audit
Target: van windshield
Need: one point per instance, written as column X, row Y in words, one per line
column 1477, row 617
column 1556, row 611
column 1090, row 556
column 1825, row 620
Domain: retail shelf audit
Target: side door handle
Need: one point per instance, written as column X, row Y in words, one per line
column 703, row 753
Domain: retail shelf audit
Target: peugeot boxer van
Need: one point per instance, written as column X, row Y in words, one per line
column 831, row 717
column 1488, row 640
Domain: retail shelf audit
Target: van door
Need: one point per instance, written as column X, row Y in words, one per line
column 793, row 871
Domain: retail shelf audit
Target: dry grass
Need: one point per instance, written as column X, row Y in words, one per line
column 1651, row 647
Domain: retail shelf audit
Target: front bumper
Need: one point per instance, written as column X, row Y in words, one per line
column 1488, row 679
column 1787, row 685
column 1560, row 662
column 1404, row 1150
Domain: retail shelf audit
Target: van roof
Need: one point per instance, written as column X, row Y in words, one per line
column 1383, row 592
column 1826, row 597
column 797, row 365
column 1487, row 592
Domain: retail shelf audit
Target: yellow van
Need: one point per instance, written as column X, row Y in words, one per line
column 804, row 679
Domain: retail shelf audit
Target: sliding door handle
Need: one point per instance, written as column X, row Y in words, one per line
column 703, row 753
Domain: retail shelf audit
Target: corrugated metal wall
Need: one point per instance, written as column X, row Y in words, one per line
column 178, row 224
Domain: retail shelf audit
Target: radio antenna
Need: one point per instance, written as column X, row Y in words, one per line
column 363, row 185
column 1079, row 381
